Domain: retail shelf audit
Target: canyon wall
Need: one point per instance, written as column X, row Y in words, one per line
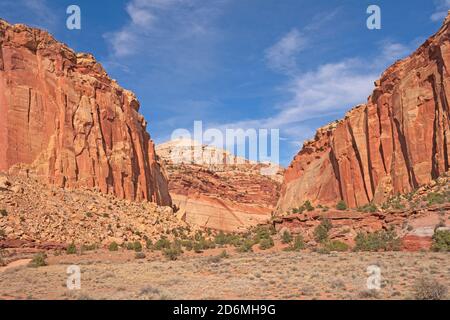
column 396, row 142
column 213, row 189
column 70, row 124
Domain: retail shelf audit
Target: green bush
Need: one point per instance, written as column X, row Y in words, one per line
column 377, row 241
column 286, row 237
column 308, row 206
column 441, row 241
column 149, row 244
column 246, row 246
column 261, row 233
column 321, row 231
column 137, row 246
column 39, row 260
column 341, row 205
column 188, row 245
column 221, row 239
column 71, row 249
column 113, row 246
column 336, row 246
column 297, row 245
column 265, row 244
column 436, row 198
column 162, row 243
column 173, row 252
column 370, row 207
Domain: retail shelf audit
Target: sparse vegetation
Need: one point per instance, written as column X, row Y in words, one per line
column 286, row 237
column 370, row 207
column 441, row 241
column 321, row 231
column 297, row 245
column 436, row 198
column 266, row 243
column 427, row 289
column 71, row 249
column 113, row 246
column 137, row 246
column 149, row 244
column 3, row 212
column 341, row 205
column 173, row 252
column 246, row 246
column 39, row 260
column 336, row 246
column 2, row 234
column 378, row 241
column 162, row 243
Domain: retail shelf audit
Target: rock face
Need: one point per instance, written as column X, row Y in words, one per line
column 69, row 123
column 396, row 142
column 216, row 190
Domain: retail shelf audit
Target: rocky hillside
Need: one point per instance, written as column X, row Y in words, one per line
column 396, row 142
column 45, row 216
column 217, row 190
column 69, row 123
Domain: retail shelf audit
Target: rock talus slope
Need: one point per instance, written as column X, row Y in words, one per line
column 69, row 123
column 396, row 142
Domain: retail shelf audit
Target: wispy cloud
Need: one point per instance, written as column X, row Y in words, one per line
column 282, row 56
column 37, row 13
column 442, row 7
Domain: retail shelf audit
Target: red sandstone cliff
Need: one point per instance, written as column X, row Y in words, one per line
column 62, row 116
column 396, row 142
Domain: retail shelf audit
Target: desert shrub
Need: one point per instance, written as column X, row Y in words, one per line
column 286, row 237
column 2, row 234
column 173, row 252
column 261, row 233
column 198, row 248
column 370, row 207
column 308, row 206
column 149, row 244
column 113, row 246
column 89, row 214
column 336, row 246
column 188, row 245
column 246, row 246
column 137, row 246
column 265, row 244
column 39, row 260
column 128, row 245
column 427, row 289
column 221, row 238
column 436, row 198
column 139, row 255
column 380, row 240
column 341, row 205
column 162, row 243
column 322, row 250
column 3, row 212
column 224, row 254
column 71, row 249
column 297, row 245
column 441, row 241
column 321, row 231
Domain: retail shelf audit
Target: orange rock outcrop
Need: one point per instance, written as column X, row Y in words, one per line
column 396, row 142
column 69, row 123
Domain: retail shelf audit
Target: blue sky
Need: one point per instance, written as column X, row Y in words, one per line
column 294, row 65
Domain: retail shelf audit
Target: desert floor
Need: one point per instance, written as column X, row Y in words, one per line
column 262, row 275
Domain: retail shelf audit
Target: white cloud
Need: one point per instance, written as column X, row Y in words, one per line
column 37, row 12
column 281, row 56
column 157, row 26
column 442, row 7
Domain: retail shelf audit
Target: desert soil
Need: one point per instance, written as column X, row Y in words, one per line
column 262, row 275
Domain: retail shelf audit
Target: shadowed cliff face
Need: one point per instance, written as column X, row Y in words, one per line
column 396, row 142
column 69, row 123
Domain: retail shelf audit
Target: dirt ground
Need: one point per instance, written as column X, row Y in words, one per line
column 262, row 275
